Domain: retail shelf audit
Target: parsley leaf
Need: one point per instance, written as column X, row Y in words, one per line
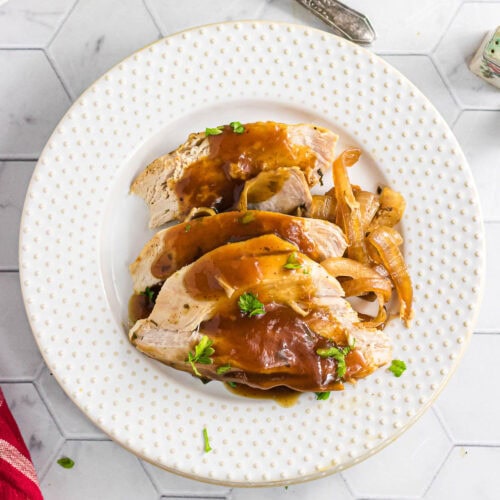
column 339, row 355
column 202, row 353
column 223, row 369
column 397, row 367
column 250, row 304
column 247, row 218
column 66, row 462
column 322, row 396
column 214, row 131
column 150, row 294
column 292, row 262
column 187, row 228
column 237, row 127
column 206, row 442
column 231, row 384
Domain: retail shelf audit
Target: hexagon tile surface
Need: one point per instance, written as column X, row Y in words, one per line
column 28, row 112
column 88, row 45
column 457, row 47
column 20, row 358
column 414, row 459
column 14, row 179
column 72, row 421
column 31, row 23
column 469, row 473
column 474, row 423
column 102, row 470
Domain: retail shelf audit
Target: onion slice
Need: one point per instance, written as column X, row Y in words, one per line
column 383, row 246
column 348, row 215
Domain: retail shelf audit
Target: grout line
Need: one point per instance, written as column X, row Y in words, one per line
column 89, row 439
column 58, row 75
column 148, row 475
column 18, row 158
column 43, row 472
column 47, row 407
column 442, row 423
column 463, row 444
column 153, row 18
column 21, row 380
column 9, row 269
column 61, row 24
column 438, row 471
column 446, row 29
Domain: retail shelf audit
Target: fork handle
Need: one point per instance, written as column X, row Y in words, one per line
column 345, row 21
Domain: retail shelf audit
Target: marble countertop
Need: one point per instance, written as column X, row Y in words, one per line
column 51, row 51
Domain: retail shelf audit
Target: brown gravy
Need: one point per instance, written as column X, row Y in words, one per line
column 276, row 349
column 217, row 180
column 188, row 241
column 282, row 395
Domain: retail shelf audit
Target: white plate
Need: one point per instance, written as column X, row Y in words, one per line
column 81, row 228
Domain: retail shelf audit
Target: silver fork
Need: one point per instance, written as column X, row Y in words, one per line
column 346, row 22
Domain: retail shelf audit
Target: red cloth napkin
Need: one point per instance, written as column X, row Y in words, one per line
column 18, row 479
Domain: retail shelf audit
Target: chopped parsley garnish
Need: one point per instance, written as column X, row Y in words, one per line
column 206, row 442
column 292, row 262
column 397, row 367
column 338, row 354
column 66, row 462
column 247, row 218
column 249, row 304
column 231, row 384
column 214, row 131
column 237, row 127
column 223, row 369
column 187, row 228
column 150, row 294
column 322, row 396
column 202, row 353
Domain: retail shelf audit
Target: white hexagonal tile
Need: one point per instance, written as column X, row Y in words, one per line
column 406, row 467
column 102, row 470
column 172, row 484
column 98, row 35
column 210, row 12
column 20, row 358
column 469, row 473
column 412, row 26
column 479, row 135
column 71, row 420
column 37, row 427
column 328, row 488
column 32, row 101
column 488, row 319
column 481, row 357
column 422, row 72
column 30, row 23
column 457, row 47
column 14, row 179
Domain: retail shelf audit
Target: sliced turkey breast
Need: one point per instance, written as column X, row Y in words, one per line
column 179, row 245
column 303, row 312
column 209, row 171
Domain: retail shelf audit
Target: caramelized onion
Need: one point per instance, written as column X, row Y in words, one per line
column 368, row 207
column 323, row 207
column 348, row 215
column 392, row 207
column 383, row 245
column 364, row 280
